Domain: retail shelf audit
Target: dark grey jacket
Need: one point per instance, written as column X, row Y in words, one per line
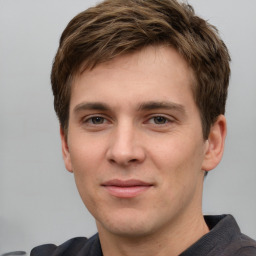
column 224, row 239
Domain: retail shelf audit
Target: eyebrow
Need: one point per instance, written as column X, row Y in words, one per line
column 91, row 106
column 162, row 105
column 146, row 106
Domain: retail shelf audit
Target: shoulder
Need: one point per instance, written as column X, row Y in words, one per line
column 70, row 247
column 224, row 239
column 246, row 246
column 246, row 251
column 240, row 245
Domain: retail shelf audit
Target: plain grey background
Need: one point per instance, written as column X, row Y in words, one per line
column 38, row 198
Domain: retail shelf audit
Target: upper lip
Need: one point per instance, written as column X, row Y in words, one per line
column 126, row 183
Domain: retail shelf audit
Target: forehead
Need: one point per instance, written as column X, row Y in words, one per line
column 154, row 73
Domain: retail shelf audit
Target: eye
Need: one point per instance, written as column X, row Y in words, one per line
column 159, row 120
column 95, row 120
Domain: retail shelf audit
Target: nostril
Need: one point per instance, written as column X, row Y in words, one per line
column 124, row 155
column 122, row 162
column 112, row 161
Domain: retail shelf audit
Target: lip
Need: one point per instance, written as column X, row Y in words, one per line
column 126, row 188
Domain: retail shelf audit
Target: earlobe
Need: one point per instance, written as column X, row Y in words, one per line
column 215, row 144
column 65, row 150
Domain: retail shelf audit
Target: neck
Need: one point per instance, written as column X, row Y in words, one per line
column 171, row 242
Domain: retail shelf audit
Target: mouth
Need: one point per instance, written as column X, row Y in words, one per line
column 126, row 188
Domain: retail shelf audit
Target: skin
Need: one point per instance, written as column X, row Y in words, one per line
column 135, row 118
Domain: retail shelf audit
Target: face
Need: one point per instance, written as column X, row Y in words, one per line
column 135, row 142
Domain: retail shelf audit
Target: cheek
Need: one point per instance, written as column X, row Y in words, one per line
column 181, row 174
column 179, row 161
column 86, row 160
column 84, row 169
column 178, row 152
column 85, row 153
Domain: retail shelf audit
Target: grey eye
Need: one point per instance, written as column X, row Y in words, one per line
column 160, row 120
column 97, row 120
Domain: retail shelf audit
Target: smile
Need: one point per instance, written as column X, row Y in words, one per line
column 127, row 188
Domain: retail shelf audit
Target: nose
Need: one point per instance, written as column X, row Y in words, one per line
column 125, row 146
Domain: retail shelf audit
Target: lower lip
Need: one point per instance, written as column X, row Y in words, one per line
column 126, row 192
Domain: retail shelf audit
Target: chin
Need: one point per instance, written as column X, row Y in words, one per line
column 129, row 231
column 126, row 225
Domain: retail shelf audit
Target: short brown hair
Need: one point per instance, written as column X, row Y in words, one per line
column 116, row 27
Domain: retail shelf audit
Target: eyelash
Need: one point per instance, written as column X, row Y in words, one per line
column 163, row 118
column 89, row 119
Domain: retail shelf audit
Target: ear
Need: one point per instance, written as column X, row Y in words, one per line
column 65, row 150
column 215, row 144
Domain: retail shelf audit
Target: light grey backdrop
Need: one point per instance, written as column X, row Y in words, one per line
column 38, row 199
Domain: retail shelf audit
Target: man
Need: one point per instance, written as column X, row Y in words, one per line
column 140, row 90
